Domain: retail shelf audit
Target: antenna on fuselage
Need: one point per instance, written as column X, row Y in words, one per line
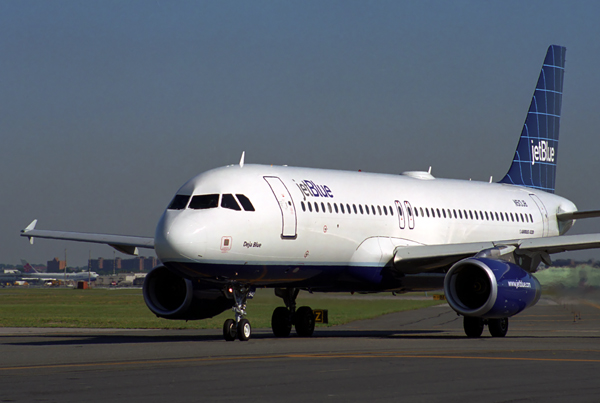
column 242, row 159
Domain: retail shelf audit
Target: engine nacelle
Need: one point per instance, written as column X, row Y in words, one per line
column 489, row 288
column 170, row 296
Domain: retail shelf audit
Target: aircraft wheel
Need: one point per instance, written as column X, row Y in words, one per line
column 281, row 322
column 304, row 321
column 229, row 330
column 244, row 330
column 473, row 326
column 498, row 327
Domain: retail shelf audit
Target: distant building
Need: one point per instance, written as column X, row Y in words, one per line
column 137, row 264
column 56, row 266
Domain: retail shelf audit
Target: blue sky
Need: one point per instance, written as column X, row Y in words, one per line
column 108, row 107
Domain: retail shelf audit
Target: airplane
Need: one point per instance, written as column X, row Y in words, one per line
column 32, row 274
column 231, row 230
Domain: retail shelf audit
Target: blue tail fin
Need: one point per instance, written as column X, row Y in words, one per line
column 534, row 164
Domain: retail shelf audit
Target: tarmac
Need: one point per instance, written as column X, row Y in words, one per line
column 551, row 354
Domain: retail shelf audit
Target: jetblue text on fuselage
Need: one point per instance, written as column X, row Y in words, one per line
column 311, row 189
column 542, row 152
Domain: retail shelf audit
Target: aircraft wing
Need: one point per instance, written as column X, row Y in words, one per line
column 123, row 243
column 422, row 258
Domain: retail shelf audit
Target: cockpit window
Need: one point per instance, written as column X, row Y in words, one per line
column 201, row 202
column 228, row 201
column 179, row 202
column 245, row 202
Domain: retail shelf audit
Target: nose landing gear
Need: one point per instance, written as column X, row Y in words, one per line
column 239, row 328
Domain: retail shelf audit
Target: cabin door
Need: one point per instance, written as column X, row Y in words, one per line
column 286, row 205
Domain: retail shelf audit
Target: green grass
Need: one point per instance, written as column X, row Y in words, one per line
column 125, row 309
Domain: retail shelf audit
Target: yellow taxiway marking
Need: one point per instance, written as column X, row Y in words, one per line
column 591, row 304
column 299, row 356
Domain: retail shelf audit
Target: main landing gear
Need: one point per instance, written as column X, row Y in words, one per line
column 474, row 326
column 303, row 318
column 240, row 327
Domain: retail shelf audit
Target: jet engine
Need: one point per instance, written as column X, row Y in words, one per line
column 170, row 296
column 490, row 288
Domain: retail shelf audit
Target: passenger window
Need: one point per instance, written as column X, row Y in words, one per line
column 245, row 202
column 511, row 217
column 316, row 207
column 460, row 214
column 348, row 209
column 421, row 210
column 303, row 206
column 373, row 209
column 449, row 214
column 517, row 216
column 391, row 211
column 329, row 207
column 379, row 210
column 471, row 214
column 427, row 211
column 530, row 218
column 228, row 201
column 416, row 211
column 438, row 213
column 522, row 220
column 179, row 202
column 342, row 208
column 360, row 208
column 309, row 206
column 384, row 210
column 336, row 208
column 455, row 215
column 444, row 211
column 354, row 207
column 202, row 202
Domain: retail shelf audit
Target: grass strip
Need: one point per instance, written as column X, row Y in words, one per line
column 125, row 309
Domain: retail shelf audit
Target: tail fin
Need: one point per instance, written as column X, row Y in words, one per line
column 534, row 164
column 27, row 267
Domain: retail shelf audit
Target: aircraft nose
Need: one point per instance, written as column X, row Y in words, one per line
column 178, row 238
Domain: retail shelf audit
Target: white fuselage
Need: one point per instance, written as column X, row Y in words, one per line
column 301, row 226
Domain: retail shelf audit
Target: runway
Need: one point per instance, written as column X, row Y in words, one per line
column 551, row 354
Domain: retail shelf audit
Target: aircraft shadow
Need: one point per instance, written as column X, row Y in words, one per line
column 108, row 339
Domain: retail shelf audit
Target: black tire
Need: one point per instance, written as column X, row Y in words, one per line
column 229, row 330
column 281, row 322
column 498, row 327
column 244, row 330
column 304, row 320
column 473, row 326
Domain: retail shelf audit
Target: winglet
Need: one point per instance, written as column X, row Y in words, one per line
column 242, row 159
column 29, row 228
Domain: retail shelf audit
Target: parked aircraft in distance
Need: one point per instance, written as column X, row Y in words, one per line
column 232, row 229
column 30, row 273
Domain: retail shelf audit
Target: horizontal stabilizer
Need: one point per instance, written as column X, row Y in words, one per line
column 577, row 215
